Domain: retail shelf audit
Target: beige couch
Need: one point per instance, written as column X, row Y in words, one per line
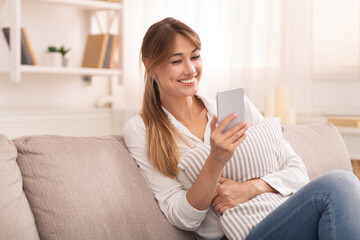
column 54, row 187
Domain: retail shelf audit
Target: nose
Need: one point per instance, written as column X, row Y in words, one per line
column 189, row 68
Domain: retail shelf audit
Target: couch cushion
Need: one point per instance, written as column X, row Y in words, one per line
column 16, row 218
column 320, row 146
column 89, row 188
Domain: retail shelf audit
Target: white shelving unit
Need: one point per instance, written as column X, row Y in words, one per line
column 15, row 69
column 67, row 113
column 86, row 4
column 72, row 71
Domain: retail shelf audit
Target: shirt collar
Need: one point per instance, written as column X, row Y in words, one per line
column 210, row 107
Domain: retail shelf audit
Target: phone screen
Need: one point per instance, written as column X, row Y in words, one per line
column 229, row 102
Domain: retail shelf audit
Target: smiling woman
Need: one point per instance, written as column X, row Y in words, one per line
column 204, row 178
column 182, row 73
column 173, row 70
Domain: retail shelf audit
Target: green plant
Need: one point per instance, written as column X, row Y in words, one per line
column 60, row 50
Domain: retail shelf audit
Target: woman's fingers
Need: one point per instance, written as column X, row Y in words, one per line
column 213, row 123
column 222, row 210
column 226, row 121
column 237, row 134
column 224, row 144
column 240, row 140
column 235, row 129
column 222, row 179
column 219, row 203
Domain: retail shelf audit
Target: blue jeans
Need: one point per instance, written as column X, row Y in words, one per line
column 326, row 208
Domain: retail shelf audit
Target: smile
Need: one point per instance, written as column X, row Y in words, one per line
column 188, row 81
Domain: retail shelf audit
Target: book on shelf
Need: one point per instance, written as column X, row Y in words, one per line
column 28, row 45
column 108, row 50
column 100, row 51
column 27, row 52
column 114, row 49
column 345, row 121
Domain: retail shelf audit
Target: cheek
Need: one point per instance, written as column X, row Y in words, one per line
column 199, row 66
column 160, row 74
column 199, row 70
column 166, row 76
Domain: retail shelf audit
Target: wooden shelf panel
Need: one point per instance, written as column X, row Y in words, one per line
column 85, row 4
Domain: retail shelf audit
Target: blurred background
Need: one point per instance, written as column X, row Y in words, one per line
column 308, row 51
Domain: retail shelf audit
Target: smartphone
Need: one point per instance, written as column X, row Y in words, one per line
column 229, row 102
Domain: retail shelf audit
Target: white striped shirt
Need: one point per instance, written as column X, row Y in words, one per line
column 171, row 193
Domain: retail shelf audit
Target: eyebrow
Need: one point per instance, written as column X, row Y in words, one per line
column 180, row 54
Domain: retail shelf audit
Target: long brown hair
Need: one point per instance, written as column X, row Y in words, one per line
column 157, row 47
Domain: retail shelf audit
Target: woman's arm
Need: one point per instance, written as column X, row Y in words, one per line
column 292, row 174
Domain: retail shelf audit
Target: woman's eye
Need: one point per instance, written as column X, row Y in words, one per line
column 176, row 61
column 196, row 57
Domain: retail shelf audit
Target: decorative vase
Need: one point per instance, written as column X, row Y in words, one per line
column 52, row 59
column 65, row 61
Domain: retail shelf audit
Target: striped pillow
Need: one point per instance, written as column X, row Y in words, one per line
column 260, row 154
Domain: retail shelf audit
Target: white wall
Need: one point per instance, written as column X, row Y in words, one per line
column 70, row 97
column 65, row 96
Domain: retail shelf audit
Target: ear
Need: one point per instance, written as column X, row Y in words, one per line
column 145, row 62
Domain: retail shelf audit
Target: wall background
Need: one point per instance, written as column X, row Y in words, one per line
column 234, row 53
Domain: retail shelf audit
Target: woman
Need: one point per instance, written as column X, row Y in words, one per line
column 175, row 120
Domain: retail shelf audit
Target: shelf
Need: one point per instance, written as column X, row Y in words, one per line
column 67, row 71
column 349, row 131
column 85, row 4
column 70, row 71
column 15, row 70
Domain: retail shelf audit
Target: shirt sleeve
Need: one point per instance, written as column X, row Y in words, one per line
column 169, row 193
column 293, row 173
column 292, row 176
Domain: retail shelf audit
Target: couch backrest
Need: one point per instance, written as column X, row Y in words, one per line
column 320, row 146
column 16, row 218
column 89, row 188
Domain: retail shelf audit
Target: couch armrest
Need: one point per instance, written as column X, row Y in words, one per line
column 320, row 146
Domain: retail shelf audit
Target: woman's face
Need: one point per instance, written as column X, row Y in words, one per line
column 180, row 76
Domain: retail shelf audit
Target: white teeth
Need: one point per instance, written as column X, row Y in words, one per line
column 188, row 81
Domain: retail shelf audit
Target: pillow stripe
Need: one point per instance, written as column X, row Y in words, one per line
column 237, row 166
column 227, row 226
column 260, row 154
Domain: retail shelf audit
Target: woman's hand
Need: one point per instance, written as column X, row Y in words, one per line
column 223, row 144
column 201, row 194
column 230, row 193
